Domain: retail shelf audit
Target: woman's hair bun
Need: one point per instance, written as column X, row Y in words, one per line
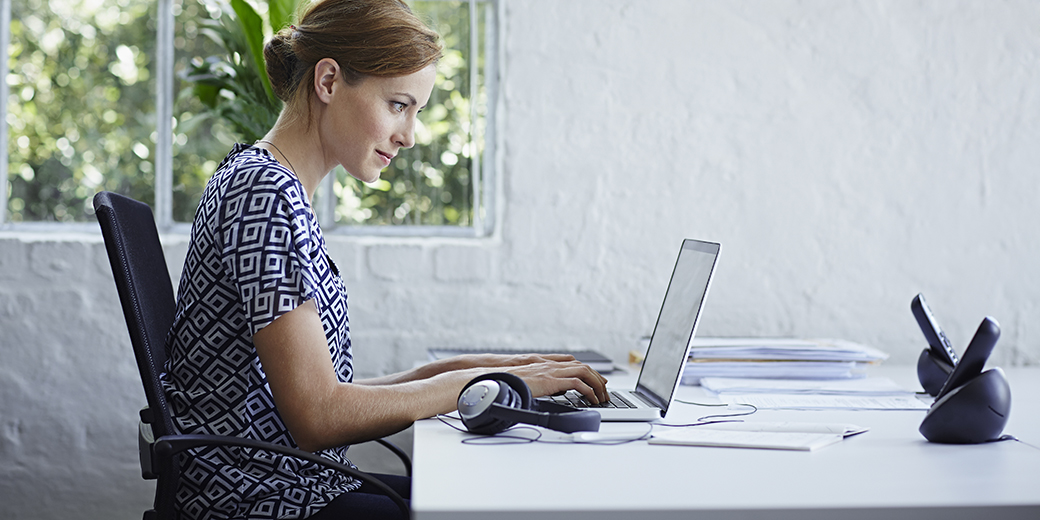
column 281, row 63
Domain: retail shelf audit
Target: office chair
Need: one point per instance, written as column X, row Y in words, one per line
column 146, row 294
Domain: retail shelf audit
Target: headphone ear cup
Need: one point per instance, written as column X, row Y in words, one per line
column 512, row 393
column 521, row 391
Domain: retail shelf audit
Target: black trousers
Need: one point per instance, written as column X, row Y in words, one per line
column 366, row 503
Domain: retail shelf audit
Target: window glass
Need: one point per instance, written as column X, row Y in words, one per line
column 80, row 108
column 81, row 115
column 432, row 183
column 200, row 139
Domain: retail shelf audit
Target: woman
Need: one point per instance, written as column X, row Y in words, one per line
column 260, row 347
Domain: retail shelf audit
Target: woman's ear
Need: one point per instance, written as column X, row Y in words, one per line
column 325, row 73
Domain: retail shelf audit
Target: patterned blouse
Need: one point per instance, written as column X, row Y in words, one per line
column 256, row 252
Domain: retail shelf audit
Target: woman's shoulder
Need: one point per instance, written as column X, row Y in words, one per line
column 248, row 183
column 250, row 172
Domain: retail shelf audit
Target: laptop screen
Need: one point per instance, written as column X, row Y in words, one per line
column 677, row 322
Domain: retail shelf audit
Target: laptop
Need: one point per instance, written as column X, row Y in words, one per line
column 669, row 345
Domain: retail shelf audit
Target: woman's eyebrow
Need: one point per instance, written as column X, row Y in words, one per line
column 411, row 98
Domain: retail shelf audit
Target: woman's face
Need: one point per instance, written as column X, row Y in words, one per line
column 368, row 123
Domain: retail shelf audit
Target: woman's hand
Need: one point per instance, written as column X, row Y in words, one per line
column 545, row 374
column 553, row 377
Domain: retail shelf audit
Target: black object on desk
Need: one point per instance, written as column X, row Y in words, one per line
column 971, row 405
column 937, row 360
column 493, row 403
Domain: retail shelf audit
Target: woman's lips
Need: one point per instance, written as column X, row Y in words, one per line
column 385, row 157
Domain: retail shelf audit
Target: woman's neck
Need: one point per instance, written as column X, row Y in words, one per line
column 296, row 149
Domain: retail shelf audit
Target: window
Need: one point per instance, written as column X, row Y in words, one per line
column 88, row 79
column 80, row 105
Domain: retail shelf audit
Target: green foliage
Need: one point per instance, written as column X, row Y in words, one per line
column 426, row 185
column 81, row 110
column 232, row 84
column 281, row 13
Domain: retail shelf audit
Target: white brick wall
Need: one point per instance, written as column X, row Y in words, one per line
column 846, row 154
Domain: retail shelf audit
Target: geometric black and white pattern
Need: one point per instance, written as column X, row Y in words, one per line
column 256, row 253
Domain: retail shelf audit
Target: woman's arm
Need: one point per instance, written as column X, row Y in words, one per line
column 322, row 412
column 467, row 361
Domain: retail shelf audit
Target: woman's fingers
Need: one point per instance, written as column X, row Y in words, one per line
column 555, row 377
column 545, row 373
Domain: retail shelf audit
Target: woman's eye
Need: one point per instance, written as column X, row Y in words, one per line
column 398, row 106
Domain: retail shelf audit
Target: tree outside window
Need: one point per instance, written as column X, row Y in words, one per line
column 81, row 103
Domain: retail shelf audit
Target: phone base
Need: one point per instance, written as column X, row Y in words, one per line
column 932, row 372
column 974, row 412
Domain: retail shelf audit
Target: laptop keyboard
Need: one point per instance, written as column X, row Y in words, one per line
column 576, row 400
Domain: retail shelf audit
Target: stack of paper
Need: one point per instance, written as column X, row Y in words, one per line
column 862, row 387
column 778, row 358
column 872, row 393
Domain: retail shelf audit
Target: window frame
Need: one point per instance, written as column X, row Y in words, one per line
column 485, row 165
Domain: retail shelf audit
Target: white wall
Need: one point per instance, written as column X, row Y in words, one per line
column 847, row 154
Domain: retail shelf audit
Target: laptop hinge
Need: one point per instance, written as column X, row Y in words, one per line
column 648, row 398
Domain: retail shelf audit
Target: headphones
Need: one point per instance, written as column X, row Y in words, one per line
column 494, row 402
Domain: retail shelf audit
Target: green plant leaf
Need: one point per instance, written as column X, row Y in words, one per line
column 251, row 25
column 207, row 94
column 281, row 13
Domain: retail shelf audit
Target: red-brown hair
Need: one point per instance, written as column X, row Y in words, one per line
column 380, row 38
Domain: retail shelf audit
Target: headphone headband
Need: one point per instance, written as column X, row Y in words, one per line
column 493, row 407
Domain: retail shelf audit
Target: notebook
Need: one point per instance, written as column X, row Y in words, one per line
column 669, row 344
column 798, row 441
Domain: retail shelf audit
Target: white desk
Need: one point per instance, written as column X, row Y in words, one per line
column 889, row 472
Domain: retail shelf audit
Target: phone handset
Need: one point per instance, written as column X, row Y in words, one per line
column 975, row 356
column 937, row 339
column 936, row 362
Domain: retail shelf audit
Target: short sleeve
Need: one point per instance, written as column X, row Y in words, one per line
column 268, row 248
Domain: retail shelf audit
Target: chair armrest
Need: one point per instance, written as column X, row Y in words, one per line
column 145, row 440
column 396, row 450
column 167, row 446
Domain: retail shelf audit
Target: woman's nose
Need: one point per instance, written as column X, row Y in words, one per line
column 406, row 137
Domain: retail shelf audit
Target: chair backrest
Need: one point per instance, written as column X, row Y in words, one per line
column 145, row 291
